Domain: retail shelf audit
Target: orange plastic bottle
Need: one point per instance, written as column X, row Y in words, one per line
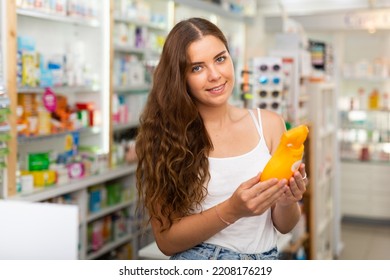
column 288, row 156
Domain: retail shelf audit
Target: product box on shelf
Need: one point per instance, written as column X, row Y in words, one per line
column 114, row 193
column 38, row 161
column 97, row 198
column 94, row 160
column 42, row 178
column 76, row 170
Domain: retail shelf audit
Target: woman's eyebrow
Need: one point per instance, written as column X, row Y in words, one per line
column 219, row 54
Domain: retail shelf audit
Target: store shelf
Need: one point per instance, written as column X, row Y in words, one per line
column 83, row 131
column 108, row 210
column 372, row 79
column 133, row 88
column 58, row 18
column 109, row 247
column 324, row 217
column 135, row 50
column 361, row 126
column 161, row 27
column 213, row 8
column 61, row 89
column 365, row 136
column 119, row 127
column 129, row 49
column 75, row 185
column 371, row 161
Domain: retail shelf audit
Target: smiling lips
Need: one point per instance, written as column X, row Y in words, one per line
column 218, row 89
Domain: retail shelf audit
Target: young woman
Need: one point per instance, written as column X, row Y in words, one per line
column 200, row 158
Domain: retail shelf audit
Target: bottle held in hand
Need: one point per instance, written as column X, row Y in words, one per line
column 288, row 155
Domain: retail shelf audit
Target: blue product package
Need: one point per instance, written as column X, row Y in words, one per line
column 94, row 201
column 46, row 78
column 26, row 43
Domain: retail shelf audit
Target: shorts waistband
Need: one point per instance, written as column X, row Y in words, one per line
column 220, row 251
column 207, row 251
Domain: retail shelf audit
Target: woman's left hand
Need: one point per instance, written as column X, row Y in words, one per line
column 297, row 187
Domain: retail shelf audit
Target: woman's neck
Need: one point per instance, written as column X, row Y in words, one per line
column 216, row 117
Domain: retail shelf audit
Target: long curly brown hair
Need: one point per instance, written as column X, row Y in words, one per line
column 172, row 144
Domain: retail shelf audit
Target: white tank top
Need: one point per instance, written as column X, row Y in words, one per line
column 251, row 234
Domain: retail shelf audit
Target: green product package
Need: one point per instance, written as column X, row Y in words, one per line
column 113, row 193
column 38, row 161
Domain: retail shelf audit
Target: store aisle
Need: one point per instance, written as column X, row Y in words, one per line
column 365, row 241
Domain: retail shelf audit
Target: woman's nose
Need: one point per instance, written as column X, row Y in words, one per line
column 214, row 74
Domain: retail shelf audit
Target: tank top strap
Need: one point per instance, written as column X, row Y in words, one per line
column 260, row 122
column 257, row 122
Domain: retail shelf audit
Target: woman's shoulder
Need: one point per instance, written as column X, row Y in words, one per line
column 271, row 118
column 268, row 118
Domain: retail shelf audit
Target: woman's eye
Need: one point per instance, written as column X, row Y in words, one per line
column 221, row 59
column 196, row 68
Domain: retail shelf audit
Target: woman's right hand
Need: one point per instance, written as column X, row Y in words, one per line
column 252, row 198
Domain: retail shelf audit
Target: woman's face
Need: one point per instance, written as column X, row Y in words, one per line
column 210, row 77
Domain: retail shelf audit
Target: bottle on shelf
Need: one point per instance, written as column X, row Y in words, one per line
column 362, row 99
column 373, row 100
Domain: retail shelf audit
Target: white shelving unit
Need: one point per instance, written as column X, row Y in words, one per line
column 38, row 195
column 324, row 173
column 366, row 192
column 364, row 137
column 57, row 18
column 138, row 36
column 358, row 71
column 80, row 189
column 295, row 72
column 52, row 33
column 364, row 130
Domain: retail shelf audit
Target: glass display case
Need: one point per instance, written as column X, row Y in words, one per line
column 365, row 160
column 365, row 135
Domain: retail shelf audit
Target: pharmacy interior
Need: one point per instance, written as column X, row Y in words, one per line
column 75, row 75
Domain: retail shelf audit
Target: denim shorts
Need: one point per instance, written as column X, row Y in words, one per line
column 206, row 251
